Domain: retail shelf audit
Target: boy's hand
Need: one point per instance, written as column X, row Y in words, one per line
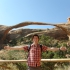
column 63, row 48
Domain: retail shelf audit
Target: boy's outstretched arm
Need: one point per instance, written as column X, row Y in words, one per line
column 13, row 48
column 57, row 49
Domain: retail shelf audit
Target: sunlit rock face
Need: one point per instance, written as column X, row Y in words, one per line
column 61, row 31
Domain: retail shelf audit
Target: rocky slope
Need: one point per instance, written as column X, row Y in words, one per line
column 56, row 33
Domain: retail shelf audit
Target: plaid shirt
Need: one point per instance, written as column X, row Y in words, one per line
column 34, row 57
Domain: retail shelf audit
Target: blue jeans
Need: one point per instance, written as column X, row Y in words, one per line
column 34, row 68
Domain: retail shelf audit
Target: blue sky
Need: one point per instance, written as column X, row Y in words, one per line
column 52, row 11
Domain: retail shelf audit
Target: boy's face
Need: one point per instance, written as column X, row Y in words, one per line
column 35, row 39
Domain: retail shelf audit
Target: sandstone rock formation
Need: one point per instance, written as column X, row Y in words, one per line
column 61, row 31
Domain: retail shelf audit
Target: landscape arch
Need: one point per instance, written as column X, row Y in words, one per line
column 26, row 24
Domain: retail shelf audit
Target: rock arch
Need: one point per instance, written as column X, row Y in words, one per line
column 64, row 27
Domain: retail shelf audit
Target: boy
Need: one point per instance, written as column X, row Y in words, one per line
column 34, row 56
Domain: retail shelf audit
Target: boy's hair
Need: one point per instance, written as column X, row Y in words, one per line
column 35, row 35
